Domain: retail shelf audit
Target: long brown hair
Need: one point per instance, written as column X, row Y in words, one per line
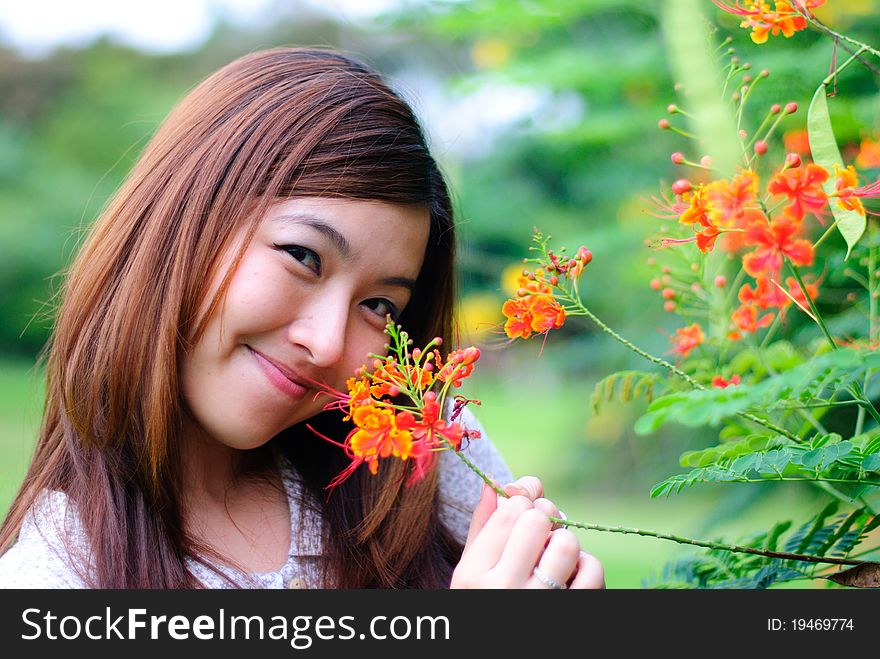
column 274, row 124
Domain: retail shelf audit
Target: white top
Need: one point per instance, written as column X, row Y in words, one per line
column 40, row 558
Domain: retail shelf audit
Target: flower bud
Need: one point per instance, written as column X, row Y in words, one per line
column 760, row 147
column 791, row 108
column 665, row 269
column 663, row 124
column 681, row 186
column 669, row 305
column 706, row 161
column 554, row 280
column 672, row 108
column 668, row 293
column 775, row 108
column 765, row 73
column 416, row 353
column 678, row 158
column 650, row 261
column 743, row 134
column 695, row 287
column 655, row 284
column 747, row 78
column 695, row 267
column 720, row 281
column 792, row 160
column 747, row 66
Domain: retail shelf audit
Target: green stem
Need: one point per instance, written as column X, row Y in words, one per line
column 709, row 545
column 842, row 37
column 582, row 310
column 830, row 77
column 663, row 536
column 827, row 233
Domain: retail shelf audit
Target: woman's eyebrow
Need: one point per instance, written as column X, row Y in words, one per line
column 403, row 282
column 338, row 240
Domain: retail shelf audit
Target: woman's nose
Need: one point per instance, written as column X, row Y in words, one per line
column 320, row 329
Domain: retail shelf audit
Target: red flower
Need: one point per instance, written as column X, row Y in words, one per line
column 765, row 294
column 764, row 22
column 773, row 241
column 746, row 319
column 803, row 187
column 686, row 339
column 728, row 201
column 721, row 383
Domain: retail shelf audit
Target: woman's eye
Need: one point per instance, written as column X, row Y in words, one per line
column 305, row 256
column 381, row 307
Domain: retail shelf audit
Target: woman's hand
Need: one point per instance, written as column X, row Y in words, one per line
column 513, row 544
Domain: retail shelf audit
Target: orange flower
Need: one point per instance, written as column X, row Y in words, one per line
column 773, row 241
column 798, row 294
column 803, row 187
column 358, row 394
column 698, row 208
column 763, row 22
column 532, row 313
column 797, row 141
column 686, row 339
column 764, row 295
column 378, row 436
column 519, row 318
column 721, row 383
column 846, row 189
column 459, row 365
column 746, row 318
column 869, row 155
column 728, row 201
column 547, row 314
column 733, row 241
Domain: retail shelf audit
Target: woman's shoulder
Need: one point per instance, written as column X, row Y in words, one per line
column 41, row 556
column 459, row 487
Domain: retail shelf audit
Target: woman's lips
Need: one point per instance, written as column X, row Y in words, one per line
column 277, row 377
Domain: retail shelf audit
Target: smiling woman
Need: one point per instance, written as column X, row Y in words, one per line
column 284, row 209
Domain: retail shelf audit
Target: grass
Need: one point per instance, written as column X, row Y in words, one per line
column 21, row 396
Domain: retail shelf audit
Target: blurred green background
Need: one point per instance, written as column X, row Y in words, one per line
column 542, row 113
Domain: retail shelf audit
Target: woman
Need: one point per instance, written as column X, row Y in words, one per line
column 280, row 212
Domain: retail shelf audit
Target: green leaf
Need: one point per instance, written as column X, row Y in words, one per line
column 624, row 386
column 823, row 148
column 871, row 462
column 711, row 406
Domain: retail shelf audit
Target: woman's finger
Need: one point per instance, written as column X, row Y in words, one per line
column 549, row 508
column 528, row 486
column 558, row 562
column 590, row 573
column 482, row 512
column 523, row 548
column 487, row 545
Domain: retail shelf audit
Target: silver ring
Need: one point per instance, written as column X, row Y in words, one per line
column 547, row 581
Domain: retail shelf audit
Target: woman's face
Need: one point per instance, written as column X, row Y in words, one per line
column 307, row 301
